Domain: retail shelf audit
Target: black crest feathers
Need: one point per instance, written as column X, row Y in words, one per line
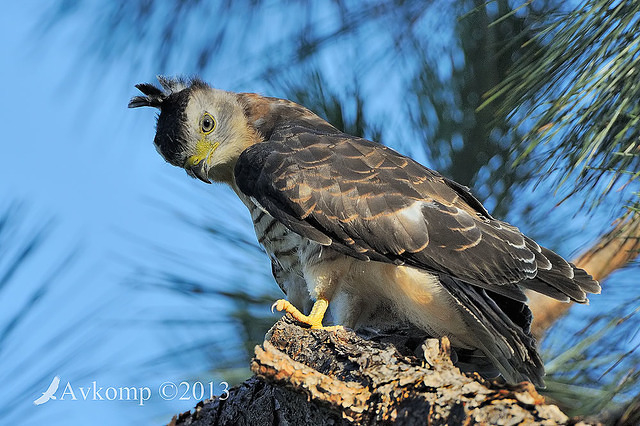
column 155, row 96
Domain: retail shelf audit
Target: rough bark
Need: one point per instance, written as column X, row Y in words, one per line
column 319, row 377
column 613, row 251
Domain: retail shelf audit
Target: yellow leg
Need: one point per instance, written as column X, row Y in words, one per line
column 315, row 317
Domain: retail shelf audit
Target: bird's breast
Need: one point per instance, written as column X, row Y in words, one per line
column 284, row 247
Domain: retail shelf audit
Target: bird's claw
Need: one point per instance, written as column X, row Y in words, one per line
column 314, row 319
column 284, row 305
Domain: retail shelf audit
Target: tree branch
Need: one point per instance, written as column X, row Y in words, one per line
column 318, row 377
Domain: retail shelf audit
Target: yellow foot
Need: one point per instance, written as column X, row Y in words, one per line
column 314, row 319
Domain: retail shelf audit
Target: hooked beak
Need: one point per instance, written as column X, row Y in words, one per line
column 198, row 170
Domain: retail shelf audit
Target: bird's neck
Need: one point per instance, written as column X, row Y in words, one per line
column 266, row 114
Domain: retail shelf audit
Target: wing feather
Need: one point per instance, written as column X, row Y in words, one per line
column 372, row 203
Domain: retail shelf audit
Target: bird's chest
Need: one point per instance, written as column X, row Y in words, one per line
column 284, row 247
column 288, row 252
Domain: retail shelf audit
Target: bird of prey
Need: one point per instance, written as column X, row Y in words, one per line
column 356, row 227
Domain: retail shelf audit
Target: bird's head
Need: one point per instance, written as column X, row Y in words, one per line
column 199, row 128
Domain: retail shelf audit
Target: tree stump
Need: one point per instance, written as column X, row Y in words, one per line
column 320, row 377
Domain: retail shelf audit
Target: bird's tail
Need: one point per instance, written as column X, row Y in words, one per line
column 500, row 328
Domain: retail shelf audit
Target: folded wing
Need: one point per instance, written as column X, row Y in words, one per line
column 373, row 203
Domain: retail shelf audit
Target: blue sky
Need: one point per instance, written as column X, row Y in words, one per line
column 72, row 151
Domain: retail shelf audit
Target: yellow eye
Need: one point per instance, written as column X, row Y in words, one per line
column 207, row 124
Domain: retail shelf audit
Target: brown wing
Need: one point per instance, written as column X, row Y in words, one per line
column 373, row 203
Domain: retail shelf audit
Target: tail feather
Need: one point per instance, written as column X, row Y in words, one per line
column 586, row 281
column 558, row 278
column 499, row 327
